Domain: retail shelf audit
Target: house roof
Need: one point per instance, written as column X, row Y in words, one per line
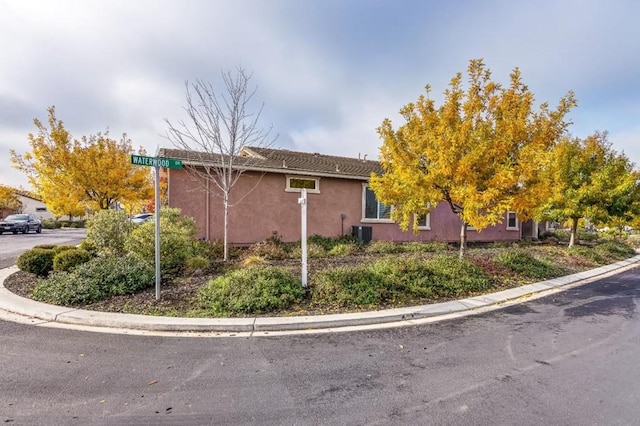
column 285, row 161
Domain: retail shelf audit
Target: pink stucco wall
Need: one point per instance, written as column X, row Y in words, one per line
column 268, row 209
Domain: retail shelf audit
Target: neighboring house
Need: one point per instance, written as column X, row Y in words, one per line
column 30, row 203
column 339, row 201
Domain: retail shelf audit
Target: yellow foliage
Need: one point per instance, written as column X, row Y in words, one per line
column 73, row 176
column 481, row 151
column 8, row 198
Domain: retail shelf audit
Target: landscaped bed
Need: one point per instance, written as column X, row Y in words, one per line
column 344, row 276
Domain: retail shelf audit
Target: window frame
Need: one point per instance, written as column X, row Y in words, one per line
column 427, row 225
column 516, row 227
column 288, row 187
column 365, row 219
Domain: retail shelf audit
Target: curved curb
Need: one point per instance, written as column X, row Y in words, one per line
column 12, row 303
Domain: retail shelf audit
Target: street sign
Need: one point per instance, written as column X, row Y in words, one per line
column 170, row 163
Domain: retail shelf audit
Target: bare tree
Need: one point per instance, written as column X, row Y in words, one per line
column 218, row 128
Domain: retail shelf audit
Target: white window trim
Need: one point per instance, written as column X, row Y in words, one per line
column 426, row 227
column 309, row 191
column 512, row 228
column 364, row 208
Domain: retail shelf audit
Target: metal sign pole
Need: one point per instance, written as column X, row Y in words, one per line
column 303, row 238
column 157, row 233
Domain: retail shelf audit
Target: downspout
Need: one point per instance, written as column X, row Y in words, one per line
column 207, row 213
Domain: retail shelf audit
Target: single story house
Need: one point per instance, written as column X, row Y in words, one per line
column 265, row 201
column 30, row 203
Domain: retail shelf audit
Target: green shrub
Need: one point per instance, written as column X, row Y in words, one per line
column 67, row 260
column 587, row 253
column 314, row 251
column 614, row 250
column 328, row 243
column 350, row 286
column 425, row 247
column 383, row 247
column 107, row 231
column 177, row 240
column 38, row 261
column 195, row 263
column 343, row 249
column 95, row 280
column 268, row 249
column 50, row 224
column 454, row 277
column 526, row 264
column 254, row 290
column 60, row 249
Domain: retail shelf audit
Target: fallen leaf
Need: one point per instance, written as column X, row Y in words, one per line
column 153, row 382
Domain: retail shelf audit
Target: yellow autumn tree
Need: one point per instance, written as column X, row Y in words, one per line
column 591, row 180
column 93, row 172
column 8, row 199
column 480, row 152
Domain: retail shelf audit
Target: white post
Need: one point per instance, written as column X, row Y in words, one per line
column 157, row 233
column 303, row 237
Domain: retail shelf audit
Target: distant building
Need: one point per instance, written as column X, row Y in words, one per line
column 31, row 203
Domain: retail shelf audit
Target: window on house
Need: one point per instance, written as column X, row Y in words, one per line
column 424, row 221
column 373, row 209
column 512, row 221
column 41, row 209
column 297, row 183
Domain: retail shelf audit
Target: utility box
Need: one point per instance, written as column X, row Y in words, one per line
column 362, row 233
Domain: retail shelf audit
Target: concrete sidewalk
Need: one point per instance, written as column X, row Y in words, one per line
column 57, row 315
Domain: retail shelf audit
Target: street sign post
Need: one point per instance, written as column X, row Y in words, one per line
column 156, row 162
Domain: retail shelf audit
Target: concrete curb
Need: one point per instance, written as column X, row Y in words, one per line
column 21, row 306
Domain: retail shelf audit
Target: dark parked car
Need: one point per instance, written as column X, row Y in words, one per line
column 20, row 223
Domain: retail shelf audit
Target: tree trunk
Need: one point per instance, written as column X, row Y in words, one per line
column 463, row 240
column 226, row 226
column 574, row 231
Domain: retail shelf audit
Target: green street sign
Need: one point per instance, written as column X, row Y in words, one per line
column 170, row 163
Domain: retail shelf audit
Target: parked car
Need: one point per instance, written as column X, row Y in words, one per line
column 142, row 217
column 20, row 223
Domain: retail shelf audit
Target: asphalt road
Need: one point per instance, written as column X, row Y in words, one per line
column 568, row 359
column 12, row 246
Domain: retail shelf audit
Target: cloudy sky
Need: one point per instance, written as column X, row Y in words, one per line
column 328, row 71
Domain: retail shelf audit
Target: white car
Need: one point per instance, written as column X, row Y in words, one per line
column 142, row 217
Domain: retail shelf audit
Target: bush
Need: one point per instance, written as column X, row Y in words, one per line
column 395, row 280
column 526, row 264
column 350, row 286
column 107, row 231
column 614, row 250
column 588, row 253
column 343, row 249
column 328, row 243
column 383, row 247
column 453, row 276
column 95, row 280
column 314, row 251
column 425, row 247
column 50, row 224
column 254, row 290
column 195, row 263
column 38, row 261
column 177, row 241
column 268, row 249
column 67, row 260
